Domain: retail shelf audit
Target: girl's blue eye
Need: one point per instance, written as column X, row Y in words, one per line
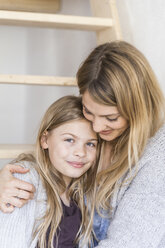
column 90, row 144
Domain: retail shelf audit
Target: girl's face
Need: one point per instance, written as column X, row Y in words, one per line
column 106, row 120
column 72, row 148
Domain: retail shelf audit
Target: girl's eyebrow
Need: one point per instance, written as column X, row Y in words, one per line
column 100, row 115
column 75, row 136
column 93, row 139
column 69, row 134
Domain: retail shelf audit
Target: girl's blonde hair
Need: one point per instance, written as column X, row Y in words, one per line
column 117, row 74
column 65, row 109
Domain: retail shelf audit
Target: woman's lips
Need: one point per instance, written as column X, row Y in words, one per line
column 76, row 164
column 106, row 132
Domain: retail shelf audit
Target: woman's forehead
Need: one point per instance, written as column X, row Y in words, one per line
column 97, row 108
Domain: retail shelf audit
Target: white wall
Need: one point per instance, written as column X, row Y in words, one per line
column 142, row 23
column 37, row 51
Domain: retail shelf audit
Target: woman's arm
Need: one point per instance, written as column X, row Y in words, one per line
column 139, row 220
column 14, row 192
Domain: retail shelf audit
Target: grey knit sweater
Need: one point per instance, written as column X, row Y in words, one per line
column 138, row 219
column 16, row 229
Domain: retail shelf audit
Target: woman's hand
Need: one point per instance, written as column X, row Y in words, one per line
column 13, row 192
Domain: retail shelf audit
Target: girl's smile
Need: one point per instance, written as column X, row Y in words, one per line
column 72, row 148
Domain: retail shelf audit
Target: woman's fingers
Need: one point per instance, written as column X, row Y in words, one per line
column 16, row 168
column 25, row 195
column 12, row 203
column 15, row 202
column 23, row 186
column 6, row 208
column 13, row 191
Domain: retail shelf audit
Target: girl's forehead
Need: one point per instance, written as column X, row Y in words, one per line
column 76, row 127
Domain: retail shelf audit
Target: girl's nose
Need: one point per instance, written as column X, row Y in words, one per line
column 80, row 151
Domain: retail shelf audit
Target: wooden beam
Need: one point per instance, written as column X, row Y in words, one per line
column 12, row 151
column 54, row 21
column 107, row 9
column 49, row 6
column 37, row 80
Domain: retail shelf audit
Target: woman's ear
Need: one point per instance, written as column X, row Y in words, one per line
column 44, row 139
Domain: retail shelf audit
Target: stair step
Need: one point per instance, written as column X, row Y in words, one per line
column 54, row 20
column 37, row 80
column 12, row 151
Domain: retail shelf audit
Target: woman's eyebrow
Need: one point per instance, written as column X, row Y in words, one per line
column 86, row 108
column 100, row 115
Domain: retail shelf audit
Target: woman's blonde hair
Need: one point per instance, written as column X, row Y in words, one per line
column 64, row 110
column 117, row 74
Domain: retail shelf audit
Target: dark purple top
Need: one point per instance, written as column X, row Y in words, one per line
column 68, row 227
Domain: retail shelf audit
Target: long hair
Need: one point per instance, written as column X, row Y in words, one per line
column 117, row 74
column 65, row 109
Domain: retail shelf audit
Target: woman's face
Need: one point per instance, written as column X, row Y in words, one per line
column 72, row 148
column 106, row 120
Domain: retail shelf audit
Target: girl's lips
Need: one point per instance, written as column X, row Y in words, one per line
column 76, row 164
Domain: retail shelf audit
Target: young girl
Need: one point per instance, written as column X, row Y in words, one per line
column 62, row 171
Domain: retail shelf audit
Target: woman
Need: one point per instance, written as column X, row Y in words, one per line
column 62, row 170
column 122, row 99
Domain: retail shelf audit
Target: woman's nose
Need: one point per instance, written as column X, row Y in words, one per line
column 98, row 125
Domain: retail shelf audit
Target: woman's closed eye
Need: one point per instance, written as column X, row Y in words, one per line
column 112, row 119
column 115, row 118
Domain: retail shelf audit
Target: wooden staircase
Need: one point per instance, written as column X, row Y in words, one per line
column 104, row 22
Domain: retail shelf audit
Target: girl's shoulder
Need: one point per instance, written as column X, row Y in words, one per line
column 31, row 176
column 17, row 227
